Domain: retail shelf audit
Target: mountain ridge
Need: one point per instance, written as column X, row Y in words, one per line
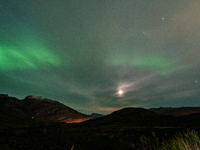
column 176, row 111
column 44, row 109
column 143, row 118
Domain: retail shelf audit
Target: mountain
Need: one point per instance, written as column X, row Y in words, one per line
column 96, row 115
column 139, row 117
column 11, row 119
column 39, row 108
column 176, row 111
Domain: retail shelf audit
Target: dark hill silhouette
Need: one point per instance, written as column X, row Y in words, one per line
column 43, row 109
column 13, row 119
column 39, row 108
column 176, row 111
column 96, row 115
column 139, row 117
column 135, row 117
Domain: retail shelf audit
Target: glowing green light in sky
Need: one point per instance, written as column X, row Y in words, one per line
column 152, row 62
column 155, row 63
column 26, row 54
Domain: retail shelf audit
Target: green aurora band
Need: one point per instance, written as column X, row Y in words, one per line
column 155, row 63
column 26, row 53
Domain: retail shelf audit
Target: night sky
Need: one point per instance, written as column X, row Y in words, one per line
column 102, row 55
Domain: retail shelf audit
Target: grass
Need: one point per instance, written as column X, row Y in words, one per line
column 187, row 141
column 180, row 141
column 79, row 136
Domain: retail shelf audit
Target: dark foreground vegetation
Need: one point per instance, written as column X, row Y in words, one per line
column 126, row 129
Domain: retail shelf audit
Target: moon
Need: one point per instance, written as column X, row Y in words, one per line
column 120, row 92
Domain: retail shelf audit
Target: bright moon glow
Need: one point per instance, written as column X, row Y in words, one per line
column 120, row 92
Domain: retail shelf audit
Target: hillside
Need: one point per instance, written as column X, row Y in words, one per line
column 139, row 117
column 176, row 111
column 96, row 115
column 128, row 128
column 39, row 108
column 131, row 116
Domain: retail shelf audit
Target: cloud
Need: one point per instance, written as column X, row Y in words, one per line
column 83, row 52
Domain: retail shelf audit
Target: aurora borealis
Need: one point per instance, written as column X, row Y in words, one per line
column 82, row 53
column 27, row 56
